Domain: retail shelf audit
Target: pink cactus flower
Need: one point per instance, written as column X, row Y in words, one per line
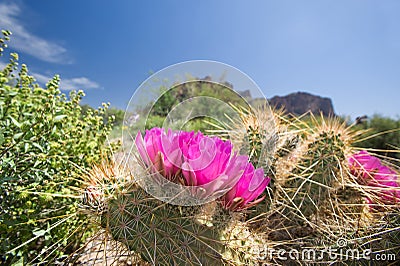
column 192, row 159
column 245, row 193
column 371, row 172
column 387, row 179
column 160, row 151
column 363, row 164
column 205, row 159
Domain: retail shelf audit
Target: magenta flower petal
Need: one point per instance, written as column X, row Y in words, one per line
column 189, row 174
column 251, row 185
column 152, row 141
column 386, row 178
column 363, row 164
column 372, row 173
column 257, row 185
column 141, row 148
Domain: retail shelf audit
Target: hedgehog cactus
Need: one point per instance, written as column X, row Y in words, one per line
column 316, row 172
column 315, row 199
column 160, row 233
column 166, row 234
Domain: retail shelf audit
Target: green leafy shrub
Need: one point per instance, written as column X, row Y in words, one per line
column 204, row 99
column 386, row 135
column 45, row 143
column 113, row 114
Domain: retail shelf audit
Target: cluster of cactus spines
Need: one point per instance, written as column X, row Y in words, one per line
column 381, row 230
column 161, row 233
column 101, row 249
column 263, row 134
column 316, row 174
column 319, row 190
column 389, row 241
column 321, row 197
column 309, row 183
column 100, row 183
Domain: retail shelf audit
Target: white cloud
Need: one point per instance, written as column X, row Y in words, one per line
column 26, row 42
column 80, row 83
column 42, row 79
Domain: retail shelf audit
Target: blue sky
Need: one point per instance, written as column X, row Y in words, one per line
column 348, row 50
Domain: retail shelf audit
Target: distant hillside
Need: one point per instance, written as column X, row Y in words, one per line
column 296, row 103
column 301, row 102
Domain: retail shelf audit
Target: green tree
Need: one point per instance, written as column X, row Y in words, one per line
column 115, row 115
column 386, row 132
column 197, row 94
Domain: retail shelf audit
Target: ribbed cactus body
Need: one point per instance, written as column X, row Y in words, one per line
column 316, row 172
column 160, row 233
column 389, row 241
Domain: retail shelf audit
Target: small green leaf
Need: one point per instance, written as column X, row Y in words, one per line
column 37, row 146
column 1, row 138
column 18, row 135
column 20, row 262
column 59, row 118
column 26, row 147
column 39, row 233
column 16, row 123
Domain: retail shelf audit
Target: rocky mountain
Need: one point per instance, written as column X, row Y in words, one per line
column 301, row 102
column 296, row 103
